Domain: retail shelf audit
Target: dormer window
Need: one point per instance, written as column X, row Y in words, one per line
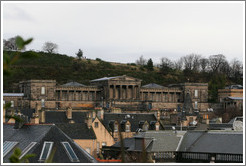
column 46, row 151
column 146, row 126
column 127, row 128
column 115, row 127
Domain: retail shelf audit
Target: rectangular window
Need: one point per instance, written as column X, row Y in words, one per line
column 42, row 90
column 8, row 146
column 71, row 154
column 29, row 147
column 12, row 103
column 46, row 150
column 196, row 93
column 42, row 103
column 196, row 105
column 96, row 125
column 127, row 128
column 115, row 127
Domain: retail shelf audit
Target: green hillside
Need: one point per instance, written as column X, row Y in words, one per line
column 63, row 69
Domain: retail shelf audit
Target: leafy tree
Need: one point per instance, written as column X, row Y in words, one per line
column 50, row 47
column 15, row 157
column 150, row 65
column 9, row 60
column 79, row 54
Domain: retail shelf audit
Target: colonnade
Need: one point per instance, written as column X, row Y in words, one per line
column 77, row 95
column 124, row 91
column 168, row 97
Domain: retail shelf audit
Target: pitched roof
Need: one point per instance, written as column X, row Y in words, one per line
column 60, row 117
column 153, row 85
column 134, row 119
column 163, row 140
column 77, row 130
column 39, row 134
column 213, row 142
column 73, row 84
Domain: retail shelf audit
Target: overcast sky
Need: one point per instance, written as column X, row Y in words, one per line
column 122, row 32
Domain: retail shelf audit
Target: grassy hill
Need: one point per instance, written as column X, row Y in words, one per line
column 63, row 69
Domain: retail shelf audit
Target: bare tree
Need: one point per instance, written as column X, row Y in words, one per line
column 166, row 65
column 192, row 62
column 204, row 64
column 50, row 47
column 216, row 61
column 141, row 61
column 178, row 64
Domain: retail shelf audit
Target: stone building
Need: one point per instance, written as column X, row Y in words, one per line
column 122, row 92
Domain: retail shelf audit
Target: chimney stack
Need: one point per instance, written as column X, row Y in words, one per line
column 69, row 112
column 41, row 114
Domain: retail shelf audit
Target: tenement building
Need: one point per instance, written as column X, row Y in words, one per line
column 122, row 92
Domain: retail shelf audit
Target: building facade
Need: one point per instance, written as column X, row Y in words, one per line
column 122, row 92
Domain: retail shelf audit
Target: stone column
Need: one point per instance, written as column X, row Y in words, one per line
column 60, row 95
column 114, row 89
column 127, row 92
column 74, row 95
column 121, row 92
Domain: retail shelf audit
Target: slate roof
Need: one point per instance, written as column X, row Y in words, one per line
column 163, row 140
column 220, row 126
column 134, row 119
column 73, row 84
column 235, row 98
column 153, row 85
column 39, row 134
column 60, row 117
column 133, row 144
column 234, row 87
column 213, row 142
column 77, row 130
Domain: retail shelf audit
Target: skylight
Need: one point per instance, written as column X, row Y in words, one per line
column 29, row 147
column 46, row 151
column 8, row 146
column 70, row 152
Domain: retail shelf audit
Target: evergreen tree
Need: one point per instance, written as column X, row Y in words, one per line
column 79, row 54
column 150, row 65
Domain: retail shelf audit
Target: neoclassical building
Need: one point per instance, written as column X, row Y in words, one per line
column 122, row 92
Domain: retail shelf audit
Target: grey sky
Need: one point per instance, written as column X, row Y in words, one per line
column 122, row 32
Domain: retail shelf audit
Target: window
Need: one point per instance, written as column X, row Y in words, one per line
column 12, row 103
column 196, row 93
column 104, row 144
column 24, row 152
column 72, row 156
column 115, row 127
column 157, row 127
column 46, row 151
column 96, row 124
column 42, row 90
column 8, row 146
column 145, row 127
column 127, row 128
column 196, row 105
column 42, row 103
column 88, row 150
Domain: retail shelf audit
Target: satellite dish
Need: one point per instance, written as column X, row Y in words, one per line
column 173, row 128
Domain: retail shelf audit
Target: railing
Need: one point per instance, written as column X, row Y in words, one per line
column 198, row 157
